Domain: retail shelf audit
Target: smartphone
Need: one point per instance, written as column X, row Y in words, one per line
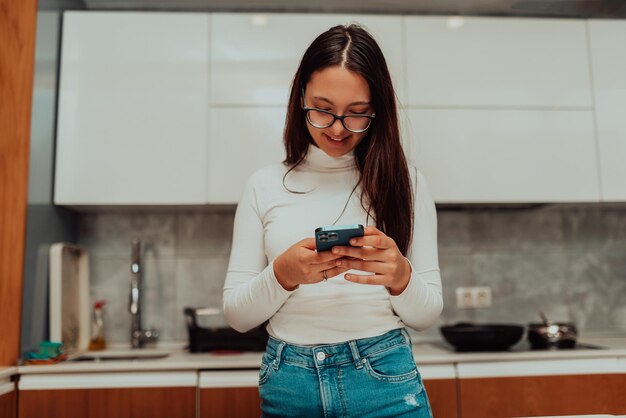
column 329, row 236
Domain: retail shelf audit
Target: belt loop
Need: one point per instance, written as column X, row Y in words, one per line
column 407, row 337
column 279, row 352
column 355, row 354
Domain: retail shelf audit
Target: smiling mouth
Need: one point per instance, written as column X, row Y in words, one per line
column 337, row 139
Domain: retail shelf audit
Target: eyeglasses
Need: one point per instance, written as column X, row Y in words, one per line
column 320, row 118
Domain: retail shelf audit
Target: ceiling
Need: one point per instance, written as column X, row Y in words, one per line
column 522, row 8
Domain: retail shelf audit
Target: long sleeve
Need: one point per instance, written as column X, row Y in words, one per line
column 252, row 293
column 421, row 303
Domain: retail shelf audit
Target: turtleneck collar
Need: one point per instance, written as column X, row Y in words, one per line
column 318, row 160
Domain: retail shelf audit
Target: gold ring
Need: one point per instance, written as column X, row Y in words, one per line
column 325, row 274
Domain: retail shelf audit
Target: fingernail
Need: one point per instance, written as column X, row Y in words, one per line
column 352, row 241
column 347, row 277
column 336, row 250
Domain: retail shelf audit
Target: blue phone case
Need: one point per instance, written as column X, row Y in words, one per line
column 329, row 236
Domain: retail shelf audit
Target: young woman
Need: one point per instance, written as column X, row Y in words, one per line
column 338, row 344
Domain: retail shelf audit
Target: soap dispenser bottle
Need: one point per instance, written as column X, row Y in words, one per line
column 97, row 331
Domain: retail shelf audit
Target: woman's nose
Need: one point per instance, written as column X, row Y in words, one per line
column 337, row 127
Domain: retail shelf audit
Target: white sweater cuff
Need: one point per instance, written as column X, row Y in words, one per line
column 276, row 286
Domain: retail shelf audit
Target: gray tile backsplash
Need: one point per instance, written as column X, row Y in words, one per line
column 570, row 261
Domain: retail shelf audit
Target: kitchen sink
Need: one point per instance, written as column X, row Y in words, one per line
column 122, row 355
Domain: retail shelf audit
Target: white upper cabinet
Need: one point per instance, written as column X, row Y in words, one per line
column 506, row 156
column 497, row 62
column 243, row 140
column 255, row 56
column 133, row 106
column 181, row 108
column 608, row 57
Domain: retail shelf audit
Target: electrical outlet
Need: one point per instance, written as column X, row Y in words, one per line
column 473, row 297
column 482, row 296
column 464, row 298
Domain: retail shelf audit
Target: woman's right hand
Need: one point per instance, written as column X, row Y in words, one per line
column 301, row 264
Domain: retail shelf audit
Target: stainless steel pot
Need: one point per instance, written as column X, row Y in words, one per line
column 552, row 335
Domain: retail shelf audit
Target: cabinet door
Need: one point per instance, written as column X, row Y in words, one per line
column 235, row 393
column 481, row 61
column 226, row 394
column 543, row 395
column 230, row 402
column 118, row 402
column 542, row 387
column 57, row 403
column 8, row 400
column 255, row 56
column 133, row 103
column 242, row 140
column 120, row 395
column 607, row 39
column 442, row 397
column 440, row 383
column 506, row 156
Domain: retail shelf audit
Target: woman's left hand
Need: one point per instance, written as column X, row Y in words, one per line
column 377, row 253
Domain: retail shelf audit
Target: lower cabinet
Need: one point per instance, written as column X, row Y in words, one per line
column 442, row 397
column 542, row 388
column 120, row 395
column 227, row 394
column 230, row 402
column 467, row 390
column 440, row 384
column 543, row 395
column 8, row 399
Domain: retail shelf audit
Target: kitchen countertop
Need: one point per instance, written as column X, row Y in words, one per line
column 432, row 353
column 7, row 372
column 426, row 353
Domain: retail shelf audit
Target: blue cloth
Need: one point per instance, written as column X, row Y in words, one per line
column 368, row 377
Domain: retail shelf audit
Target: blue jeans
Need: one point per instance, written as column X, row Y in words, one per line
column 368, row 377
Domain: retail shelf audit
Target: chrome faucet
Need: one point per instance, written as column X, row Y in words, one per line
column 138, row 336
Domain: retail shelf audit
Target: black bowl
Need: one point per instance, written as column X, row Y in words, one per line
column 483, row 337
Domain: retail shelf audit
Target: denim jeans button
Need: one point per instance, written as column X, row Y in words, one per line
column 320, row 356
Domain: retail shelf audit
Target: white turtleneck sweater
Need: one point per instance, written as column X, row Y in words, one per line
column 270, row 219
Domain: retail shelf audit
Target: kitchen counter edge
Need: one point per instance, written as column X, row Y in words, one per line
column 424, row 353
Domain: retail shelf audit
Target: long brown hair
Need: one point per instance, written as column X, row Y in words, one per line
column 384, row 175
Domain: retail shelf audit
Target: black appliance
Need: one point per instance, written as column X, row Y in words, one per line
column 204, row 336
column 466, row 336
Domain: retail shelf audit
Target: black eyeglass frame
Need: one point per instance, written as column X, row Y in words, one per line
column 335, row 117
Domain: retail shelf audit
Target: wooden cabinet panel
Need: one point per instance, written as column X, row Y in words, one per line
column 117, row 402
column 8, row 405
column 442, row 396
column 543, row 395
column 230, row 402
column 141, row 402
column 62, row 403
column 17, row 31
column 245, row 402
